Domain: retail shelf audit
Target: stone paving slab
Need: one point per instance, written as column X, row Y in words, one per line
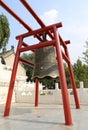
column 44, row 117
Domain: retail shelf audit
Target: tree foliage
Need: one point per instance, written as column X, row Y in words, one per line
column 29, row 69
column 85, row 58
column 4, row 31
column 80, row 70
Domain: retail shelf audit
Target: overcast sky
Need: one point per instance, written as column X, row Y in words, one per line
column 72, row 14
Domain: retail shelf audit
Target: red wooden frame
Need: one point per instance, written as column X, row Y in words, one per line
column 56, row 41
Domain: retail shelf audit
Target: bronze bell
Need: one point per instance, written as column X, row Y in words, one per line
column 45, row 63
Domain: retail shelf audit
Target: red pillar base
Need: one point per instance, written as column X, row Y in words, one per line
column 36, row 93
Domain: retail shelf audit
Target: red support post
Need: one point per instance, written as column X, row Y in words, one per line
column 66, row 103
column 12, row 81
column 73, row 82
column 36, row 92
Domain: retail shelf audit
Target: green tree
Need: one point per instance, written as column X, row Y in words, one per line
column 4, row 32
column 85, row 58
column 29, row 69
column 80, row 70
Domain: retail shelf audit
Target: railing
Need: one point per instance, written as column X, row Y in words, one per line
column 4, row 84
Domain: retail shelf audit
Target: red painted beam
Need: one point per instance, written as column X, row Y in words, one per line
column 77, row 103
column 62, row 42
column 65, row 57
column 26, row 62
column 24, row 44
column 67, row 42
column 15, row 15
column 28, row 7
column 40, row 31
column 7, row 8
column 36, row 46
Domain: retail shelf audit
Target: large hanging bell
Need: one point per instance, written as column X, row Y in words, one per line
column 45, row 63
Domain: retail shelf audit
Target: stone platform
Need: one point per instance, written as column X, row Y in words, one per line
column 24, row 116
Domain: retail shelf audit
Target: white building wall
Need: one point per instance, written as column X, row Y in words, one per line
column 10, row 61
column 25, row 92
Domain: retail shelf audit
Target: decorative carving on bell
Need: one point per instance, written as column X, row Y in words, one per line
column 45, row 63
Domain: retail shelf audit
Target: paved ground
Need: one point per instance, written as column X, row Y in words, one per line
column 45, row 117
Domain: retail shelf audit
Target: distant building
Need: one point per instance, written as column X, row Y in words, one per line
column 6, row 65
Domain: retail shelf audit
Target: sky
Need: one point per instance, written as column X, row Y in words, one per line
column 72, row 14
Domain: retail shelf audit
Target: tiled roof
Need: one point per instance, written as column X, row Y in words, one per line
column 7, row 53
